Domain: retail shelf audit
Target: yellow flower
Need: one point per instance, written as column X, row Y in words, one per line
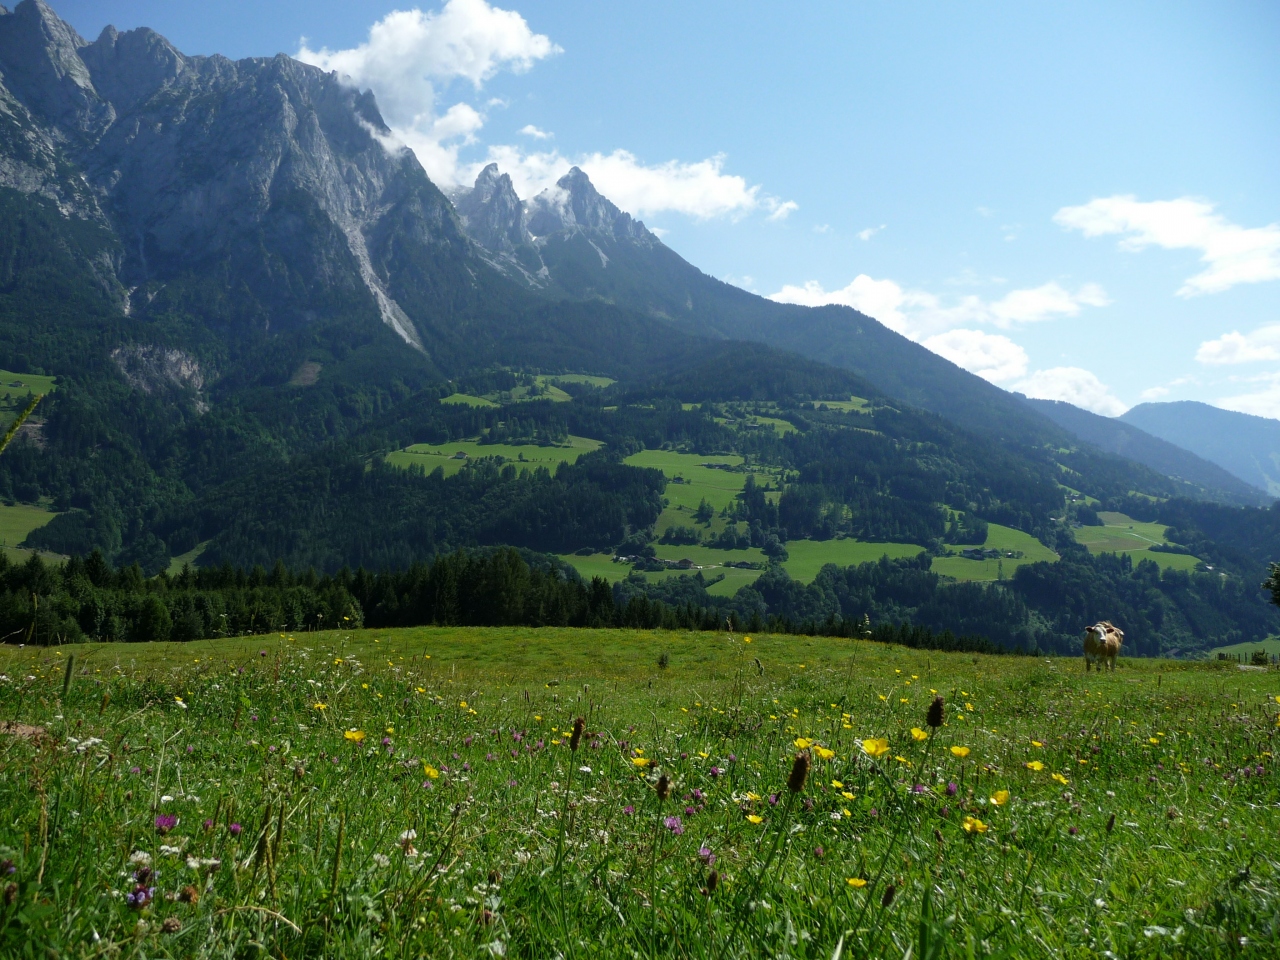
column 847, row 795
column 1035, row 765
column 422, row 690
column 857, row 882
column 883, row 697
column 1000, row 798
column 974, row 825
column 824, row 753
column 364, row 686
column 555, row 743
column 918, row 734
column 837, row 784
column 637, row 751
column 753, row 818
column 703, row 754
column 356, row 735
column 1061, row 779
column 640, row 761
column 746, row 639
column 969, row 707
column 1036, row 743
column 903, row 700
column 803, row 744
column 321, row 706
column 960, row 752
column 752, row 796
column 430, row 771
column 462, row 705
column 1153, row 740
column 876, row 746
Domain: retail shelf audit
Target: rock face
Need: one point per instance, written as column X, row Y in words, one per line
column 268, row 174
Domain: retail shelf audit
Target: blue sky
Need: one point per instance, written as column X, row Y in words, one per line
column 1077, row 201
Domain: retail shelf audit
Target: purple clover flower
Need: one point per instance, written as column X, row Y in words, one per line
column 235, row 829
column 628, row 809
column 674, row 825
column 165, row 822
column 952, row 789
column 918, row 788
column 140, row 896
column 705, row 854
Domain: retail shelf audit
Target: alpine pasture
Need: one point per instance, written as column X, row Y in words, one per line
column 423, row 792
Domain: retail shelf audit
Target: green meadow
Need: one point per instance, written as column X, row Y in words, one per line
column 421, row 793
column 429, row 456
column 16, row 522
column 1123, row 534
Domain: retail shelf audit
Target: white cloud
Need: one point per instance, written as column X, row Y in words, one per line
column 1154, row 393
column 881, row 299
column 408, row 52
column 918, row 313
column 411, row 57
column 781, row 209
column 700, row 189
column 1074, row 385
column 869, row 232
column 1233, row 254
column 1261, row 403
column 989, row 355
column 1237, row 347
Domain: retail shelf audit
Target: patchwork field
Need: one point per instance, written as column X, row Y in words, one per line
column 429, row 456
column 1004, row 539
column 16, row 522
column 422, row 793
column 807, row 557
column 1123, row 534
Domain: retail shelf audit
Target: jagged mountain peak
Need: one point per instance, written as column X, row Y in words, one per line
column 43, row 68
column 574, row 204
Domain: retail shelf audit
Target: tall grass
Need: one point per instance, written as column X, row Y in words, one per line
column 415, row 793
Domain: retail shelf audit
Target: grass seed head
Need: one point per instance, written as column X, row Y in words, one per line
column 799, row 772
column 933, row 716
column 889, row 893
column 576, row 738
column 713, row 881
column 664, row 787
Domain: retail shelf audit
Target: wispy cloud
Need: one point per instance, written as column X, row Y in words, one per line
column 869, row 232
column 1236, row 347
column 919, row 313
column 529, row 130
column 1232, row 254
column 991, row 356
column 1075, row 386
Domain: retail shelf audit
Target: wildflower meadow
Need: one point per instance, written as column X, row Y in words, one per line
column 575, row 793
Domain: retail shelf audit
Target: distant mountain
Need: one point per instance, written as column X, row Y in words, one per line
column 1245, row 445
column 1126, row 440
column 570, row 241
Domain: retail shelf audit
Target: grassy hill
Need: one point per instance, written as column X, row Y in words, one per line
column 339, row 794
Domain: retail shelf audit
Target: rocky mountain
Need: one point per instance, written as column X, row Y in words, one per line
column 265, row 180
column 570, row 241
column 1245, row 445
column 1126, row 440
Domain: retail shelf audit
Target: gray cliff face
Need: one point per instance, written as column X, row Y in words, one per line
column 574, row 205
column 492, row 213
column 520, row 236
column 266, row 170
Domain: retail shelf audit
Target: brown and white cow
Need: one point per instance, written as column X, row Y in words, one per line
column 1102, row 645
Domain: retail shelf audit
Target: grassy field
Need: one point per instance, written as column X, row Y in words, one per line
column 719, row 487
column 807, row 557
column 1001, row 538
column 601, row 565
column 432, row 455
column 1123, row 534
column 852, row 405
column 16, row 386
column 465, row 399
column 1271, row 645
column 18, row 521
column 416, row 793
column 190, row 557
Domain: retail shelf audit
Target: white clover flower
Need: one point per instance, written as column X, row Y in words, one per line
column 381, row 859
column 140, row 858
